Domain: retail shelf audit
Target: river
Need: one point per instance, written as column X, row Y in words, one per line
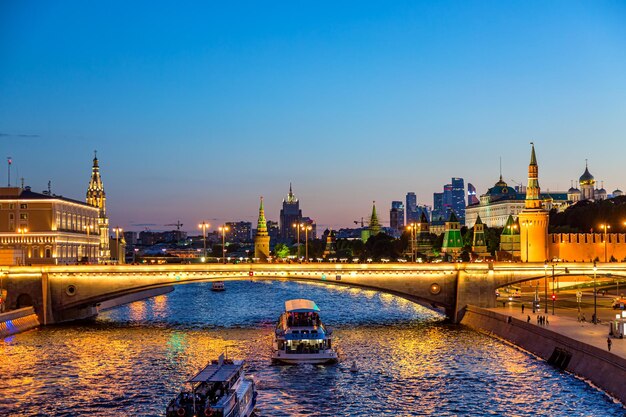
column 132, row 360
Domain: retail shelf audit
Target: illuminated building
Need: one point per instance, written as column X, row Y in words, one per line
column 471, row 194
column 396, row 215
column 452, row 241
column 451, row 199
column 533, row 219
column 510, row 240
column 46, row 229
column 290, row 214
column 331, row 243
column 479, row 243
column 262, row 239
column 96, row 197
column 239, row 232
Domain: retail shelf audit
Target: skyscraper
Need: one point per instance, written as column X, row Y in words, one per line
column 396, row 215
column 289, row 215
column 451, row 199
column 457, row 198
column 411, row 208
column 471, row 194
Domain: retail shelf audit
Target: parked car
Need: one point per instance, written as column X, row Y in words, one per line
column 619, row 303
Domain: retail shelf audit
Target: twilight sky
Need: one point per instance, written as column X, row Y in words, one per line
column 196, row 110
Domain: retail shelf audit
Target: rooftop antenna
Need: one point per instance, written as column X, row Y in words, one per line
column 10, row 161
column 49, row 187
column 500, row 168
column 22, row 179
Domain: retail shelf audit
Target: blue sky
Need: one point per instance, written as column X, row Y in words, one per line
column 197, row 109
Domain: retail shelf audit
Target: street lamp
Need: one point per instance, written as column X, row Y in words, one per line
column 223, row 229
column 117, row 231
column 553, row 294
column 545, row 286
column 204, row 225
column 411, row 229
column 297, row 227
column 595, row 295
column 23, row 230
column 605, row 227
column 88, row 229
column 306, row 228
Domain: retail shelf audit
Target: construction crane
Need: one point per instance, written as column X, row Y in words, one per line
column 357, row 222
column 178, row 224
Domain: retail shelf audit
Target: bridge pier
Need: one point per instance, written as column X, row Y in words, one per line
column 476, row 287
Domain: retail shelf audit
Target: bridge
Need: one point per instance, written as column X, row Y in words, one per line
column 63, row 293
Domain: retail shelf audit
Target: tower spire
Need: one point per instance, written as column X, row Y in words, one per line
column 262, row 238
column 533, row 190
column 262, row 223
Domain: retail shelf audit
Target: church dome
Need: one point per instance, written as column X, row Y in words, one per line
column 618, row 193
column 573, row 191
column 586, row 178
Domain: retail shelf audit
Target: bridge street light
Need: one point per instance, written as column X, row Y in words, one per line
column 204, row 225
column 306, row 228
column 553, row 294
column 117, row 231
column 297, row 226
column 223, row 229
column 23, row 230
column 605, row 227
column 545, row 286
column 411, row 229
column 595, row 295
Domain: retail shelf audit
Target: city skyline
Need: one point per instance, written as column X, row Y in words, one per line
column 196, row 119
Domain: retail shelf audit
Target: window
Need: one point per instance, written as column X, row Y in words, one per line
column 11, row 206
column 23, row 216
column 11, row 216
column 23, row 206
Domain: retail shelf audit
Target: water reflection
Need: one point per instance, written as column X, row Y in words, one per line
column 132, row 360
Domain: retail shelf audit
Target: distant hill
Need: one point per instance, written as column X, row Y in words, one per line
column 587, row 216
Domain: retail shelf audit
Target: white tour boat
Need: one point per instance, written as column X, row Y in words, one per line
column 219, row 390
column 218, row 286
column 300, row 336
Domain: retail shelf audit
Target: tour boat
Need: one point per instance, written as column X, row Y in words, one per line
column 218, row 286
column 219, row 390
column 300, row 336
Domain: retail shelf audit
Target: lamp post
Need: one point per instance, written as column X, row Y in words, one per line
column 553, row 294
column 306, row 228
column 88, row 228
column 23, row 230
column 605, row 227
column 595, row 295
column 117, row 231
column 545, row 286
column 204, row 225
column 411, row 229
column 223, row 229
column 298, row 226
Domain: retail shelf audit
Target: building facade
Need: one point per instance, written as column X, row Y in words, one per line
column 46, row 229
column 239, row 232
column 396, row 215
column 96, row 197
column 290, row 215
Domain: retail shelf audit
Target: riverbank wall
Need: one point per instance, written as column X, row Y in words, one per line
column 602, row 368
column 16, row 321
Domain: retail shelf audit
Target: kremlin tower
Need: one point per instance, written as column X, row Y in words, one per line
column 533, row 219
column 262, row 238
column 97, row 197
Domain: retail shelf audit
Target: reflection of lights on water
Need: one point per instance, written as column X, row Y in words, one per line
column 137, row 310
column 160, row 307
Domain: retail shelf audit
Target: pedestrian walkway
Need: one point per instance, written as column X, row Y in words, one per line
column 565, row 322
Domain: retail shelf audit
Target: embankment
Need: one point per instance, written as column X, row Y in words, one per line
column 602, row 368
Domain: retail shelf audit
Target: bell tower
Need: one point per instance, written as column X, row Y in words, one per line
column 97, row 197
column 533, row 220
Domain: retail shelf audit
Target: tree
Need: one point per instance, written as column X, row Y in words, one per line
column 281, row 251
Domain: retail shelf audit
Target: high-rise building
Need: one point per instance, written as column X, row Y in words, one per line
column 411, row 208
column 290, row 214
column 239, row 232
column 396, row 215
column 471, row 194
column 451, row 199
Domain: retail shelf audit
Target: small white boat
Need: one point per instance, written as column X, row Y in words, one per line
column 218, row 286
column 300, row 336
